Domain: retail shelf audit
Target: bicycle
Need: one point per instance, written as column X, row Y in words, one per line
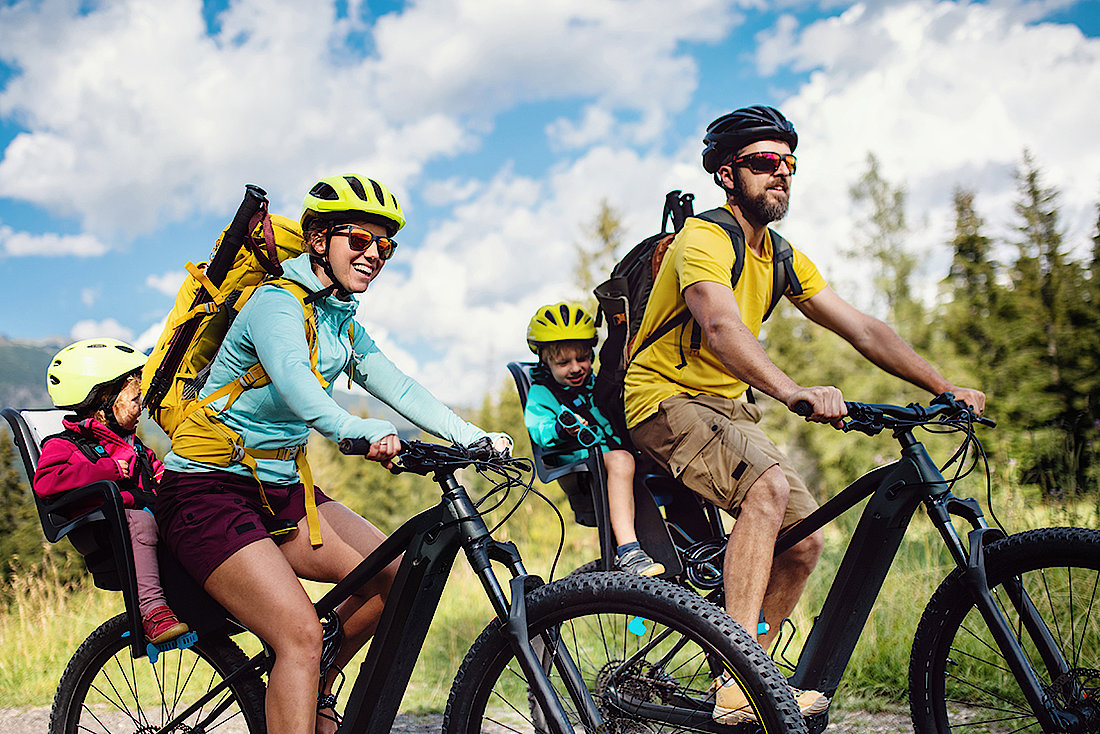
column 1010, row 640
column 602, row 652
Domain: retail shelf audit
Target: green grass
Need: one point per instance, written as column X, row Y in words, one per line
column 46, row 619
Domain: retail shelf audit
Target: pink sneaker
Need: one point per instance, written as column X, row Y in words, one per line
column 162, row 625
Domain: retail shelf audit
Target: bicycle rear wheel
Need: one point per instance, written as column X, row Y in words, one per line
column 958, row 679
column 104, row 689
column 647, row 651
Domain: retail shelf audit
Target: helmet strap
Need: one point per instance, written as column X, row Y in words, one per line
column 336, row 286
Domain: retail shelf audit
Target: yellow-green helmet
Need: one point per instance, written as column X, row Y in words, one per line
column 78, row 369
column 560, row 322
column 333, row 197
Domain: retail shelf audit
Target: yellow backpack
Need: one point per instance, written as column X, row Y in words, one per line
column 247, row 254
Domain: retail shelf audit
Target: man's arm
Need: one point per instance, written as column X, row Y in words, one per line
column 881, row 345
column 715, row 309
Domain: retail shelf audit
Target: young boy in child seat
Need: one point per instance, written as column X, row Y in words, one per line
column 560, row 413
column 100, row 380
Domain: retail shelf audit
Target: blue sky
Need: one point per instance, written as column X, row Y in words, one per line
column 128, row 130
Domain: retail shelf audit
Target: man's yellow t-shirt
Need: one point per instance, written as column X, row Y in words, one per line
column 702, row 251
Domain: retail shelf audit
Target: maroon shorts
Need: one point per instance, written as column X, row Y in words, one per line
column 205, row 517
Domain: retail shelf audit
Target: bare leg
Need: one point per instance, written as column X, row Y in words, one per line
column 258, row 586
column 349, row 538
column 620, row 494
column 790, row 571
column 748, row 563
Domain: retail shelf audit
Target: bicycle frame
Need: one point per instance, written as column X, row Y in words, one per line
column 895, row 491
column 430, row 541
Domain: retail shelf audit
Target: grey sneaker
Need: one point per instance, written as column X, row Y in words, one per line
column 638, row 561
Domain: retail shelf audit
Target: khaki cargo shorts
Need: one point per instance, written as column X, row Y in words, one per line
column 715, row 448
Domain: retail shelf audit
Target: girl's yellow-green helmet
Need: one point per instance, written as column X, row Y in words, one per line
column 78, row 369
column 560, row 322
column 334, row 197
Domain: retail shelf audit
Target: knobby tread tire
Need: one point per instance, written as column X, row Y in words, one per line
column 107, row 648
column 1044, row 550
column 579, row 596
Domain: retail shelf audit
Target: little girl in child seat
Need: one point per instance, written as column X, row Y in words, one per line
column 560, row 413
column 100, row 380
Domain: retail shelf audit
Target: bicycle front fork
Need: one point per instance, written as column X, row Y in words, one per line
column 971, row 559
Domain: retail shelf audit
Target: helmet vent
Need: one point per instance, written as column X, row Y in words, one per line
column 564, row 310
column 324, row 191
column 378, row 195
column 357, row 186
column 550, row 316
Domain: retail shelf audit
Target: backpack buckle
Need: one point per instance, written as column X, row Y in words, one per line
column 238, row 453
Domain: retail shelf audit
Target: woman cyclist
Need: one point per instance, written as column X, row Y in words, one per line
column 248, row 530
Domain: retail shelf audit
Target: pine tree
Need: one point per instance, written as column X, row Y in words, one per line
column 1047, row 355
column 20, row 536
column 594, row 263
column 972, row 287
column 881, row 240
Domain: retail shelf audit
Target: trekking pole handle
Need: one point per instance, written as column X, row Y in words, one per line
column 254, row 198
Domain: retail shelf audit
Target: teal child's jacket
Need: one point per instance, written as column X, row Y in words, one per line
column 541, row 417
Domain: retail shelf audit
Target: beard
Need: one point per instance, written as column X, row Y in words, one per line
column 756, row 206
column 759, row 208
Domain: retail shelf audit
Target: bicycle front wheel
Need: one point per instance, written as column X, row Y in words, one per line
column 959, row 679
column 105, row 690
column 647, row 653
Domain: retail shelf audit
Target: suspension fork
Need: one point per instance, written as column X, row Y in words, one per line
column 481, row 549
column 971, row 561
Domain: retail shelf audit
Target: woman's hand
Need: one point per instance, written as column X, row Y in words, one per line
column 502, row 442
column 384, row 449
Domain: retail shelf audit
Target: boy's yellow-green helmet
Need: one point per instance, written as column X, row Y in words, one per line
column 78, row 369
column 560, row 322
column 335, row 196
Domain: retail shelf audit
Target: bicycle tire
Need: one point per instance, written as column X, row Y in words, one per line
column 104, row 689
column 958, row 680
column 593, row 613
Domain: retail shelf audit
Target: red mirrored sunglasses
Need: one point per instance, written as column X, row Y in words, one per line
column 766, row 162
column 359, row 240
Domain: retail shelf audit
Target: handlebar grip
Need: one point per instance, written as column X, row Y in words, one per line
column 354, row 446
column 803, row 408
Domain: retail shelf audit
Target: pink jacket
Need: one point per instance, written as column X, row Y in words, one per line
column 63, row 466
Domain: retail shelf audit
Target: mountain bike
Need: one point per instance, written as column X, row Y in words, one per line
column 1009, row 642
column 601, row 652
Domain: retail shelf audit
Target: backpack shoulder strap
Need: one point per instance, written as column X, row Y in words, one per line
column 91, row 449
column 784, row 278
column 724, row 219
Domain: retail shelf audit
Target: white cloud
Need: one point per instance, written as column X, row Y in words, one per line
column 134, row 115
column 945, row 95
column 24, row 244
column 148, row 338
column 88, row 296
column 89, row 329
column 167, row 283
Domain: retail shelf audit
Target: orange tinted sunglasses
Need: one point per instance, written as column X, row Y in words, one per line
column 359, row 240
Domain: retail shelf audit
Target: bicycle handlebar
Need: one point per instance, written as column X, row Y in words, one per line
column 871, row 418
column 421, row 457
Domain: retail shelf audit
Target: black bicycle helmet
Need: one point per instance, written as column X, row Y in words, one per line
column 730, row 133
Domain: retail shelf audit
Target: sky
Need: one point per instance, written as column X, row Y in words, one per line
column 129, row 128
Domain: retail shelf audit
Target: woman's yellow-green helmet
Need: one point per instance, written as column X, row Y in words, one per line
column 78, row 369
column 334, row 197
column 560, row 322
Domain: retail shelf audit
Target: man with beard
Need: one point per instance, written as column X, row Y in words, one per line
column 686, row 396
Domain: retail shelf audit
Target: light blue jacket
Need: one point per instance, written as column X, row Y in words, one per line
column 271, row 329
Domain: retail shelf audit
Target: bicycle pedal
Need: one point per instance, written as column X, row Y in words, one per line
column 182, row 642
